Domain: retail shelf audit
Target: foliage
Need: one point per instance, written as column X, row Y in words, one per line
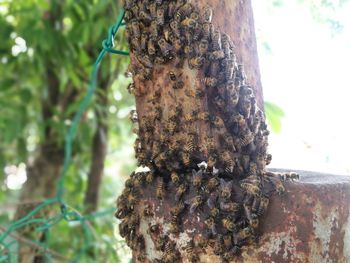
column 62, row 38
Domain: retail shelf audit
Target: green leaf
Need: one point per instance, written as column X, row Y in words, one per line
column 274, row 116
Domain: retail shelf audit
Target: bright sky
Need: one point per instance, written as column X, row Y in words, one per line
column 307, row 74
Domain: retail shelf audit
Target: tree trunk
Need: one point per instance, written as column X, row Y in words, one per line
column 201, row 131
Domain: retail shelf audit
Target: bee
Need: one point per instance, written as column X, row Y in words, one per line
column 194, row 93
column 245, row 139
column 171, row 127
column 214, row 70
column 159, row 60
column 203, row 116
column 211, row 202
column 175, row 27
column 225, row 189
column 291, row 176
column 216, row 40
column 229, row 206
column 183, row 11
column 154, row 29
column 151, row 47
column 180, row 190
column 133, row 221
column 186, row 159
column 207, row 14
column 213, row 182
column 203, row 47
column 252, row 189
column 189, row 22
column 210, row 222
column 123, row 228
column 197, row 178
column 197, row 31
column 172, row 76
column 216, row 55
column 227, row 241
column 196, row 62
column 174, row 224
column 191, row 255
column 189, row 51
column 145, row 16
column 229, row 143
column 160, row 16
column 278, row 185
column 177, row 209
column 143, row 41
column 228, row 223
column 121, row 213
column 171, row 9
column 147, row 211
column 139, row 243
column 145, row 60
column 207, row 31
column 202, row 242
column 210, row 82
column 135, row 28
column 153, row 9
column 153, row 229
column 160, row 190
column 145, row 74
column 217, row 122
column 218, row 247
column 178, row 45
column 133, row 116
column 229, row 162
column 211, row 162
column 241, row 237
column 264, row 203
column 135, row 43
column 210, row 143
column 175, row 178
column 195, row 202
column 268, row 160
column 155, row 97
column 165, row 47
column 159, row 2
column 132, row 89
column 160, row 242
column 169, row 253
column 191, row 144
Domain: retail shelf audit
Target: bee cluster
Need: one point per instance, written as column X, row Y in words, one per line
column 217, row 172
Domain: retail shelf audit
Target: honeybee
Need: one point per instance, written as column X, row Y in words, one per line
column 132, row 89
column 227, row 240
column 264, row 203
column 225, row 189
column 153, row 9
column 139, row 242
column 147, row 211
column 252, row 189
column 203, row 47
column 123, row 228
column 189, row 22
column 216, row 40
column 229, row 206
column 210, row 82
column 177, row 209
column 175, row 27
column 245, row 139
column 194, row 93
column 171, row 9
column 268, row 159
column 160, row 242
column 145, row 60
column 197, row 178
column 197, row 31
column 180, row 190
column 121, row 213
column 211, row 162
column 196, row 62
column 211, row 202
column 218, row 247
column 228, row 223
column 171, row 127
column 160, row 16
column 278, row 185
column 183, row 11
column 155, row 97
column 241, row 237
column 172, row 76
column 135, row 28
column 145, row 16
column 145, row 74
column 191, row 255
column 207, row 14
column 154, row 29
column 189, row 51
column 191, row 143
column 169, row 253
column 229, row 162
column 178, row 84
column 213, row 182
column 195, row 202
column 207, row 31
column 153, row 229
column 174, row 224
column 133, row 116
column 210, row 222
column 165, row 47
column 151, row 47
column 160, row 190
column 216, row 55
column 159, row 60
column 202, row 242
column 175, row 178
column 186, row 158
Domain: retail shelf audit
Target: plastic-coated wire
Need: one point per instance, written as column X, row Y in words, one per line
column 66, row 212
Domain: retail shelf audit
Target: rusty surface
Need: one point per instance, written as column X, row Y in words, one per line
column 309, row 223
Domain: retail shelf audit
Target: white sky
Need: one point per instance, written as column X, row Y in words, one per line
column 307, row 75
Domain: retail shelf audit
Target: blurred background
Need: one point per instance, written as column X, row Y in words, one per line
column 47, row 49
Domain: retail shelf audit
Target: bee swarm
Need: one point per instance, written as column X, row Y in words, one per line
column 199, row 131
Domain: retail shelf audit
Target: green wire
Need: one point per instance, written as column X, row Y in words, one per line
column 66, row 213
